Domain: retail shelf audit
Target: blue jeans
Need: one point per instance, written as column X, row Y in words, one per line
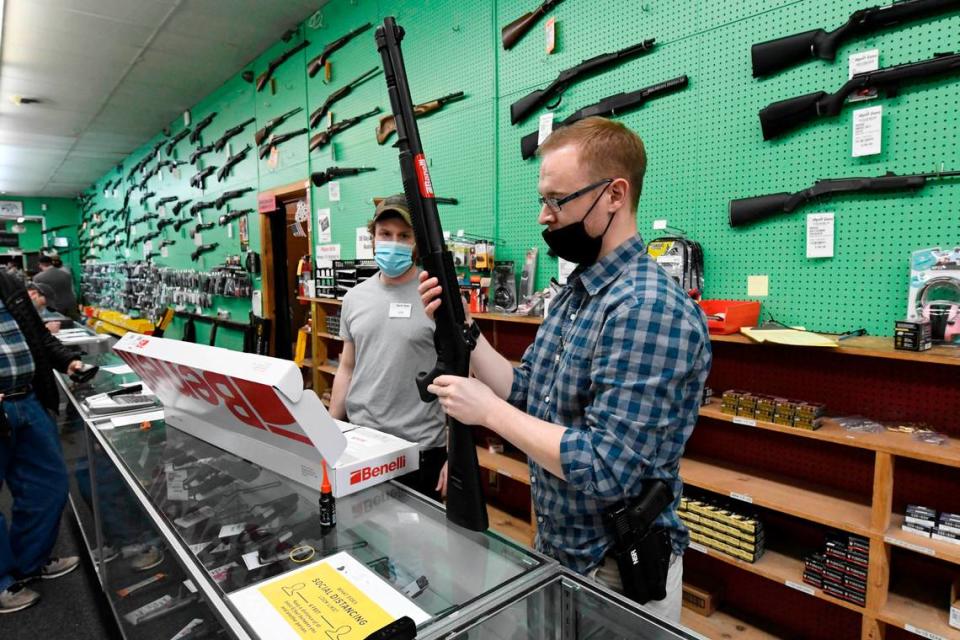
column 31, row 462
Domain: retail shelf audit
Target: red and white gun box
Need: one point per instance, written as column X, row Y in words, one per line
column 370, row 458
column 256, row 407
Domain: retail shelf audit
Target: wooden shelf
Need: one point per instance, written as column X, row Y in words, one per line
column 506, row 317
column 927, row 546
column 517, row 529
column 329, row 336
column 777, row 567
column 504, row 465
column 307, row 362
column 330, row 301
column 721, row 625
column 793, row 497
column 328, row 368
column 915, row 616
column 870, row 347
column 898, row 444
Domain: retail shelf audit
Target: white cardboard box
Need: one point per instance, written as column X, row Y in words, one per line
column 371, row 457
column 256, row 407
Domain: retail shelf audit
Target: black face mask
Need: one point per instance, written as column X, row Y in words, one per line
column 573, row 243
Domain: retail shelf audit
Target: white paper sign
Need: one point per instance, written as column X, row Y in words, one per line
column 323, row 225
column 326, row 253
column 197, row 240
column 546, row 127
column 820, row 235
column 364, row 244
column 333, row 191
column 165, row 251
column 867, row 131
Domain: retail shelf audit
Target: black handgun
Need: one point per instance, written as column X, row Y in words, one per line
column 199, row 179
column 207, row 248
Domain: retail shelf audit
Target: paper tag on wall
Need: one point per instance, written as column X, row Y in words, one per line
column 546, row 127
column 820, row 235
column 165, row 251
column 862, row 62
column 867, row 131
column 327, row 253
column 333, row 190
column 364, row 244
column 197, row 240
column 324, row 230
column 550, row 34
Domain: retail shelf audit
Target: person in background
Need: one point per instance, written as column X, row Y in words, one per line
column 31, row 461
column 40, row 295
column 64, row 298
column 388, row 339
column 609, row 392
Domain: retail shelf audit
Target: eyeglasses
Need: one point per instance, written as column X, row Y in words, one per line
column 555, row 204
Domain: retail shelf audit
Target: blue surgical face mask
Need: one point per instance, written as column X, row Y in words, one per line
column 393, row 258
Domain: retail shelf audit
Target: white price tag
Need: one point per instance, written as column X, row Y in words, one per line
column 747, row 422
column 197, row 239
column 799, row 586
column 192, row 588
column 659, row 224
column 741, row 496
column 861, row 62
column 867, row 131
column 230, row 231
column 324, row 227
column 252, row 560
column 696, row 546
column 820, row 235
column 229, row 530
column 923, row 633
column 909, row 545
column 550, row 35
column 200, row 546
column 333, row 191
column 175, row 489
column 545, row 128
column 165, row 251
column 148, row 246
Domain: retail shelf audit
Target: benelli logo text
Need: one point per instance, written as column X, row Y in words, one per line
column 364, row 474
column 252, row 403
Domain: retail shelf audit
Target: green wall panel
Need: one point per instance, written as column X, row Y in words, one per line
column 704, row 143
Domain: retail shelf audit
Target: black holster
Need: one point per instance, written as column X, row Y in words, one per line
column 641, row 550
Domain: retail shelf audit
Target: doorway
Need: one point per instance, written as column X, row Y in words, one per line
column 284, row 242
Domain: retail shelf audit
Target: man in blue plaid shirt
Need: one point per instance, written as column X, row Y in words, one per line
column 609, row 392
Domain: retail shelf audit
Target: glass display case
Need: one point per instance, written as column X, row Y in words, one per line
column 178, row 525
column 565, row 606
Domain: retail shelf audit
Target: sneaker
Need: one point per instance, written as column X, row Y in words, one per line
column 108, row 553
column 57, row 567
column 17, row 597
column 148, row 559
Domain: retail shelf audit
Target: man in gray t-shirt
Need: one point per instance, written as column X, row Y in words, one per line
column 388, row 340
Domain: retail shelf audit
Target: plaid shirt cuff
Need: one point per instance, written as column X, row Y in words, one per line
column 519, row 387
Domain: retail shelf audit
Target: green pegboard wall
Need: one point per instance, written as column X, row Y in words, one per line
column 704, row 144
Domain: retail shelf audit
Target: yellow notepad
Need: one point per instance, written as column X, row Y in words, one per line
column 789, row 336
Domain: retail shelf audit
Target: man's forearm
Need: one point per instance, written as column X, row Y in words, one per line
column 539, row 439
column 491, row 368
column 338, row 395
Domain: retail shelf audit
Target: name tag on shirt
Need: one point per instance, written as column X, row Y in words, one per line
column 400, row 309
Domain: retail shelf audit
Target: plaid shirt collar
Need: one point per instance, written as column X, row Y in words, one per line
column 597, row 276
